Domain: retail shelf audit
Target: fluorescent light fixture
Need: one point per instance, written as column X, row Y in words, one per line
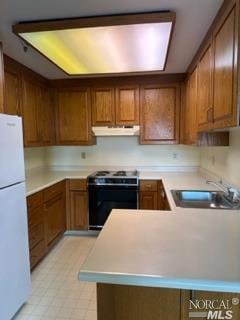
column 109, row 49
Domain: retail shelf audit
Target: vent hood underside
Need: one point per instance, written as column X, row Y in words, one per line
column 116, row 131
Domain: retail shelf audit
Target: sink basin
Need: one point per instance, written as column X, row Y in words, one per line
column 202, row 199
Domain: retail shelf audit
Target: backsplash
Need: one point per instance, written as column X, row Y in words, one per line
column 124, row 151
column 224, row 161
column 35, row 157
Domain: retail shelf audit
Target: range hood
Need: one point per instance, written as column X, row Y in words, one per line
column 116, row 131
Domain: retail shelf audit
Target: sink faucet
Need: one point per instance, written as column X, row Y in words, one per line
column 232, row 194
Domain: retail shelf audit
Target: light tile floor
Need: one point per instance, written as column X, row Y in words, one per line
column 56, row 291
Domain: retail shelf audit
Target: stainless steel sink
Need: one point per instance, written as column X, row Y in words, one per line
column 203, row 199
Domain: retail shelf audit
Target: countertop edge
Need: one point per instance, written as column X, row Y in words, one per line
column 156, row 281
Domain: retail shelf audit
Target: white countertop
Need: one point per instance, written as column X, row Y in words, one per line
column 181, row 248
column 158, row 249
column 41, row 178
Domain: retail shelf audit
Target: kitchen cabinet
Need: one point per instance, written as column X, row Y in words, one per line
column 225, row 42
column 12, row 93
column 73, row 117
column 191, row 109
column 159, row 109
column 148, row 195
column 127, row 105
column 204, row 93
column 116, row 302
column 38, row 114
column 115, row 106
column 217, row 68
column 152, row 195
column 46, row 117
column 54, row 211
column 103, row 107
column 31, row 96
column 78, row 204
column 36, row 228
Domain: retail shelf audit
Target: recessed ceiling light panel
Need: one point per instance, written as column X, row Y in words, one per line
column 127, row 48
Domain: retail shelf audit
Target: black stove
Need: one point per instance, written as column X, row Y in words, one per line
column 120, row 177
column 109, row 190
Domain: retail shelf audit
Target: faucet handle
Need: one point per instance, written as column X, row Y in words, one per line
column 233, row 194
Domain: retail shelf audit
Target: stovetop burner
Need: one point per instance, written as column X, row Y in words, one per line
column 119, row 177
column 102, row 173
column 120, row 173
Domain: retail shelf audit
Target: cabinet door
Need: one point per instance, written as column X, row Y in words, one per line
column 191, row 110
column 160, row 114
column 163, row 203
column 54, row 216
column 127, row 106
column 73, row 117
column 31, row 95
column 225, row 70
column 204, row 95
column 12, row 93
column 79, row 211
column 103, row 107
column 46, row 116
column 148, row 200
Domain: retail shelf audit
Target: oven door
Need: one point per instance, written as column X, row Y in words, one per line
column 102, row 199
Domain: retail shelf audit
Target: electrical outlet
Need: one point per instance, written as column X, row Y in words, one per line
column 175, row 155
column 83, row 155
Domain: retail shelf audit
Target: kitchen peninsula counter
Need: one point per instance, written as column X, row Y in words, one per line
column 153, row 248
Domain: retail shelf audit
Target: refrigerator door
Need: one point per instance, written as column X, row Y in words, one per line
column 15, row 283
column 11, row 146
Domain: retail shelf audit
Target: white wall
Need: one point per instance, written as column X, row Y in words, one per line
column 35, row 157
column 124, row 151
column 224, row 161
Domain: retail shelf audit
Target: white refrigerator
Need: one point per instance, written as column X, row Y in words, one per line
column 15, row 281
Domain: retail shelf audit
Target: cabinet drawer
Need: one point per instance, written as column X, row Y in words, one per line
column 37, row 253
column 36, row 234
column 149, row 185
column 35, row 200
column 35, row 216
column 78, row 184
column 54, row 190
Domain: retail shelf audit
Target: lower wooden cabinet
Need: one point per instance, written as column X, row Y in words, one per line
column 54, row 211
column 152, row 195
column 117, row 302
column 78, row 204
column 148, row 200
column 46, row 220
column 36, row 228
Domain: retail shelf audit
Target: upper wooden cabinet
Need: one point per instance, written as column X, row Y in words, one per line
column 115, row 106
column 225, row 41
column 103, row 107
column 190, row 133
column 127, row 105
column 31, row 96
column 12, row 93
column 73, row 117
column 204, row 94
column 159, row 109
column 46, row 117
column 217, row 65
column 38, row 114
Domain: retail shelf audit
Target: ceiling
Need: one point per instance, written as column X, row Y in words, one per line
column 193, row 18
